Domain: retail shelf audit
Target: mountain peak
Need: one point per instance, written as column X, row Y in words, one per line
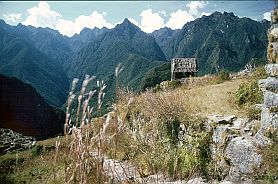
column 126, row 25
column 216, row 14
column 126, row 21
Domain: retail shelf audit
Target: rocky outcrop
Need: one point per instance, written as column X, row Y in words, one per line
column 12, row 141
column 23, row 110
column 234, row 146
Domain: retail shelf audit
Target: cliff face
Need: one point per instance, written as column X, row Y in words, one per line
column 23, row 110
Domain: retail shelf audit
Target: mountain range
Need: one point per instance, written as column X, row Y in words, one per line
column 48, row 60
column 219, row 41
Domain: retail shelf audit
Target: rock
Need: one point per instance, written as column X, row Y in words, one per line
column 261, row 139
column 220, row 135
column 196, row 181
column 240, row 122
column 270, row 99
column 272, row 70
column 271, row 84
column 220, row 119
column 243, row 157
column 248, row 127
column 268, row 120
column 226, row 182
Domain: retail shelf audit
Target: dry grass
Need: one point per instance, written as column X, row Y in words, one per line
column 215, row 99
column 135, row 131
column 202, row 99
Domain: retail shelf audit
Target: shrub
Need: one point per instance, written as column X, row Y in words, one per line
column 7, row 179
column 168, row 85
column 254, row 113
column 249, row 94
column 268, row 172
column 37, row 150
column 223, row 76
column 8, row 163
column 259, row 73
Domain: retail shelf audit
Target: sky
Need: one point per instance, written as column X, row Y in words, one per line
column 70, row 18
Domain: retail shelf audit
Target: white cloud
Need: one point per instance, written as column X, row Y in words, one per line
column 206, row 14
column 151, row 21
column 96, row 19
column 133, row 21
column 194, row 7
column 267, row 15
column 66, row 27
column 43, row 16
column 12, row 18
column 178, row 19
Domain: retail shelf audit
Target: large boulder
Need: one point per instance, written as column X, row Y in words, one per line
column 243, row 156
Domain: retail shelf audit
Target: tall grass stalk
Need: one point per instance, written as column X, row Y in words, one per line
column 118, row 70
column 79, row 162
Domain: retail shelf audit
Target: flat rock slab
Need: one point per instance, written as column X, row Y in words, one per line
column 220, row 119
column 240, row 122
column 243, row 155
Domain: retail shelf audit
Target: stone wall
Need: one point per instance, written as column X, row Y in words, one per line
column 269, row 86
column 234, row 147
column 272, row 53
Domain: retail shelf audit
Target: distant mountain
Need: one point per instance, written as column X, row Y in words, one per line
column 46, row 40
column 22, row 60
column 23, row 110
column 219, row 41
column 156, row 75
column 125, row 44
column 86, row 36
column 163, row 35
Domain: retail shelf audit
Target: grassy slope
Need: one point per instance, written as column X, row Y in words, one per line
column 216, row 99
column 208, row 99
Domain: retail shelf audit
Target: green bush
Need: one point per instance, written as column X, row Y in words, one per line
column 167, row 85
column 268, row 172
column 171, row 84
column 37, row 150
column 259, row 73
column 269, row 168
column 8, row 163
column 223, row 76
column 7, row 179
column 249, row 94
column 254, row 114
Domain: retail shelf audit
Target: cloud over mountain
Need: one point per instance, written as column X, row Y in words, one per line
column 43, row 16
